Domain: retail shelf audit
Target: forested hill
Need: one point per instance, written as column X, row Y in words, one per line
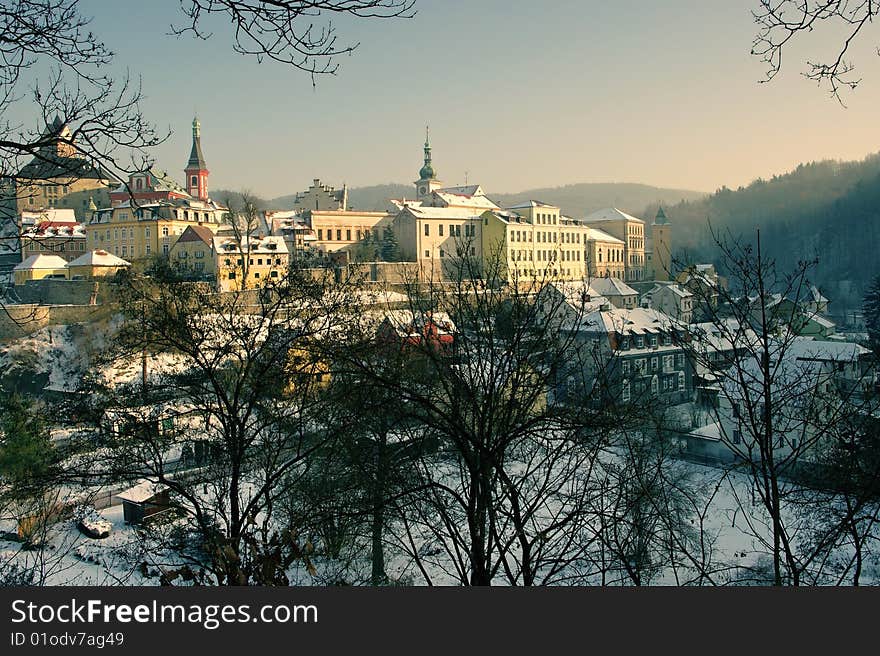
column 828, row 209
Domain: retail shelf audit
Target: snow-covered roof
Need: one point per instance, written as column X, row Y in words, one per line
column 99, row 258
column 463, row 200
column 41, row 262
column 46, row 229
column 610, row 214
column 673, row 288
column 635, row 321
column 423, row 212
column 143, row 491
column 806, row 348
column 30, row 217
column 530, row 204
column 817, row 295
column 271, row 244
column 611, row 287
column 594, row 234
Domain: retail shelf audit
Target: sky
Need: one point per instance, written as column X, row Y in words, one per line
column 518, row 95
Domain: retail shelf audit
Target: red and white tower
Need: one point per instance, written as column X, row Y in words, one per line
column 196, row 168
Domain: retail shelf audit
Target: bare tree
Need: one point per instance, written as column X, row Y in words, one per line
column 229, row 423
column 288, row 31
column 783, row 22
column 782, row 404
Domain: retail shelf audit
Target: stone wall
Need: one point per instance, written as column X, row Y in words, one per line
column 21, row 320
column 61, row 292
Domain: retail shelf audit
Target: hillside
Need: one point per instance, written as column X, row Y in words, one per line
column 576, row 200
column 828, row 209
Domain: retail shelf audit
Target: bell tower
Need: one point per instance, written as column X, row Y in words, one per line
column 661, row 234
column 428, row 181
column 196, row 169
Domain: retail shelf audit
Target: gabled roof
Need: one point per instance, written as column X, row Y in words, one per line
column 99, row 258
column 611, row 214
column 196, row 233
column 594, row 234
column 673, row 289
column 41, row 262
column 611, row 287
column 529, row 204
column 465, row 200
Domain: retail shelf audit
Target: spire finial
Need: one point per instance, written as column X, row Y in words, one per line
column 427, row 136
column 197, row 127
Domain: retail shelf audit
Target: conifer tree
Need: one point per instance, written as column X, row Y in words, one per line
column 871, row 311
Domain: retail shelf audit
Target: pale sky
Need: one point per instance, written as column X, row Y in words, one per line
column 519, row 94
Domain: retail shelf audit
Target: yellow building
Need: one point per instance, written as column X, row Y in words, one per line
column 534, row 241
column 38, row 267
column 630, row 230
column 441, row 240
column 141, row 232
column 95, row 264
column 250, row 263
column 59, row 235
column 660, row 255
column 605, row 255
column 337, row 230
column 193, row 252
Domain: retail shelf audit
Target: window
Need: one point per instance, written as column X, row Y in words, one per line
column 442, row 253
column 147, row 232
column 737, row 436
column 164, row 249
column 164, row 232
column 624, row 392
column 320, row 234
column 200, row 254
column 256, row 274
column 624, row 367
column 668, row 361
column 428, row 230
column 338, row 235
column 348, row 235
column 679, row 360
column 232, row 275
column 194, row 181
column 273, row 274
column 427, row 253
column 654, row 385
column 640, row 341
column 680, row 381
column 440, row 230
column 260, row 261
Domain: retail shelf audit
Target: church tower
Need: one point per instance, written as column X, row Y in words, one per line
column 661, row 235
column 196, row 169
column 428, row 181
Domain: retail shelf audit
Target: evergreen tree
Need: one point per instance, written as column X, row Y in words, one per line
column 390, row 247
column 25, row 448
column 871, row 311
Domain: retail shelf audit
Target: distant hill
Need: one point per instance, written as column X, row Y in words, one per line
column 827, row 209
column 576, row 200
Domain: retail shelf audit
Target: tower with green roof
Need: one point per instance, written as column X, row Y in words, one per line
column 427, row 181
column 661, row 236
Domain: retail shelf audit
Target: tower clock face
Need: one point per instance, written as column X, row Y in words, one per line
column 423, row 190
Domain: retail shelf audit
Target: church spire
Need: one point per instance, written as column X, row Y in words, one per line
column 196, row 158
column 196, row 167
column 427, row 171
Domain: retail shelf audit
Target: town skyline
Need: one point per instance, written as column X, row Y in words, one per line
column 597, row 109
